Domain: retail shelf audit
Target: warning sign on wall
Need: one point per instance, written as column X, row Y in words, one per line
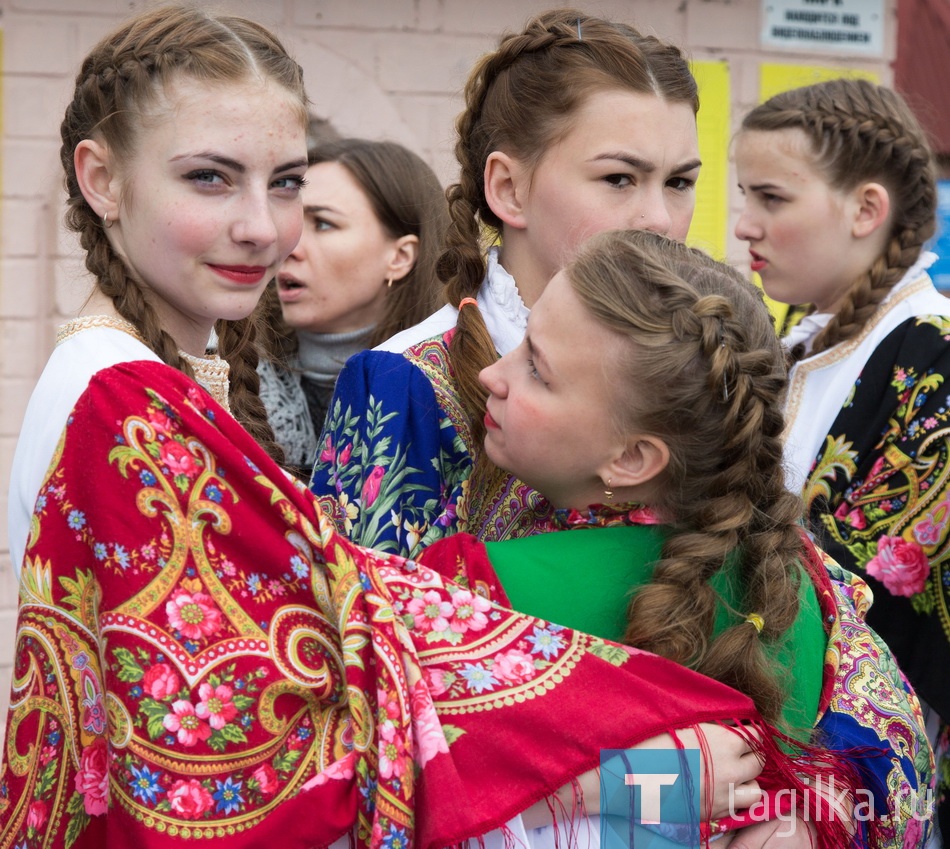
column 825, row 26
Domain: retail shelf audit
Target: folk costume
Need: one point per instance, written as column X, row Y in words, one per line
column 844, row 687
column 868, row 445
column 83, row 347
column 395, row 455
column 202, row 659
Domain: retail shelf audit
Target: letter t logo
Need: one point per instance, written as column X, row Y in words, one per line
column 650, row 784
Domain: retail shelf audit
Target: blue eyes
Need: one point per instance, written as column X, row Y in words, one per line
column 209, row 177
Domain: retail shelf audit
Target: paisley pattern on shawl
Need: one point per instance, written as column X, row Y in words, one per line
column 867, row 710
column 395, row 458
column 202, row 659
column 867, row 703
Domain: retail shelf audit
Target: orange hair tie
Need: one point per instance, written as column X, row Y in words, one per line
column 465, row 301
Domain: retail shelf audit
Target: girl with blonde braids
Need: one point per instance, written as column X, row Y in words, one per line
column 199, row 656
column 660, row 449
column 840, row 197
column 182, row 225
column 572, row 126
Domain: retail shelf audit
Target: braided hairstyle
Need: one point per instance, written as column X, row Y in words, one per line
column 521, row 99
column 860, row 131
column 702, row 340
column 119, row 80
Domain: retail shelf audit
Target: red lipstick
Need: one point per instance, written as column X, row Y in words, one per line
column 249, row 275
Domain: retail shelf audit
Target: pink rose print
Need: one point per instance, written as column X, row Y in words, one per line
column 184, row 721
column 265, row 776
column 160, row 682
column 216, row 705
column 388, row 704
column 469, row 612
column 900, row 565
column 189, row 799
column 913, row 832
column 195, row 615
column 371, row 486
column 161, row 422
column 92, row 778
column 435, row 678
column 328, row 453
column 513, row 667
column 36, row 815
column 178, row 459
column 341, row 769
column 393, row 757
column 196, row 396
column 345, row 454
column 427, row 731
column 431, row 612
column 854, row 517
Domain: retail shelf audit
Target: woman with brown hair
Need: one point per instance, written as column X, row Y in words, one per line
column 572, row 126
column 364, row 269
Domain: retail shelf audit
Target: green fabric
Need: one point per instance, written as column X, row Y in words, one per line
column 583, row 578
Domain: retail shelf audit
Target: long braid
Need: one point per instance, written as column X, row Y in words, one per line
column 702, row 340
column 860, row 131
column 519, row 99
column 120, row 79
column 237, row 343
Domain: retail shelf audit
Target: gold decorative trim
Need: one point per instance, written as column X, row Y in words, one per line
column 86, row 322
column 212, row 373
column 843, row 350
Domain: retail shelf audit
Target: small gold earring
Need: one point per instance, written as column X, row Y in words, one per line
column 389, row 282
column 105, row 221
column 608, row 492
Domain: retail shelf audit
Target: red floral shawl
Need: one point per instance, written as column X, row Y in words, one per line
column 201, row 659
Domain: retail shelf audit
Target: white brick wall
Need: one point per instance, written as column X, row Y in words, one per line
column 380, row 68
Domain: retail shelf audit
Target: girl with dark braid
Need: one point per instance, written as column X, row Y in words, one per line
column 182, row 222
column 660, row 448
column 199, row 656
column 840, row 199
column 572, row 126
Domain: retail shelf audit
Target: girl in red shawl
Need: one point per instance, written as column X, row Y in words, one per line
column 646, row 402
column 200, row 658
